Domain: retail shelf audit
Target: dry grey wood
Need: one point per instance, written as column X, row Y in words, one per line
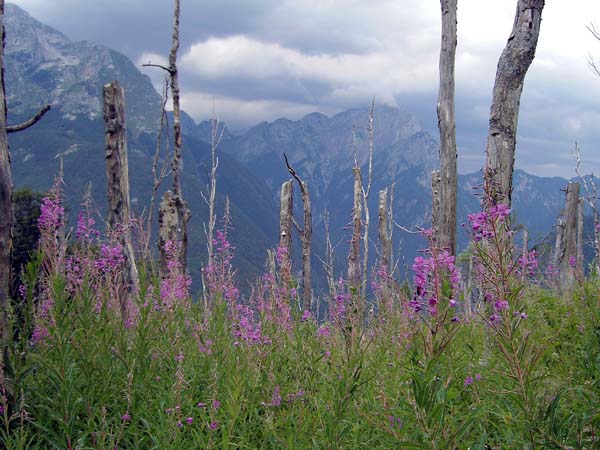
column 580, row 237
column 171, row 221
column 367, row 214
column 558, row 246
column 446, row 226
column 174, row 209
column 354, row 254
column 285, row 217
column 117, row 176
column 6, row 207
column 436, row 181
column 29, row 123
column 513, row 64
column 569, row 244
column 305, row 239
column 385, row 242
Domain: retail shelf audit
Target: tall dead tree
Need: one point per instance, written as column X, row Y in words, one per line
column 580, row 204
column 6, row 203
column 286, row 215
column 513, row 64
column 558, row 244
column 569, row 242
column 174, row 213
column 6, row 207
column 385, row 241
column 365, row 196
column 436, row 182
column 446, row 226
column 354, row 254
column 305, row 238
column 117, row 175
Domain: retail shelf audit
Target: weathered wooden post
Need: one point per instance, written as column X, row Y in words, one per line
column 117, row 176
column 513, row 64
column 385, row 242
column 569, row 245
column 558, row 245
column 354, row 254
column 446, row 227
column 286, row 217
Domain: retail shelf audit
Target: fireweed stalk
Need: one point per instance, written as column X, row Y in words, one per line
column 502, row 277
column 434, row 302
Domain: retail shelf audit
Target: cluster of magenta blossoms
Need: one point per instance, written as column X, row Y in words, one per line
column 436, row 278
column 174, row 287
column 484, row 224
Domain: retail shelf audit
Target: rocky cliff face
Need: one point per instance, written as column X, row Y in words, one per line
column 44, row 66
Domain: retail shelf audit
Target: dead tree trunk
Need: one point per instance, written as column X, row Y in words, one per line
column 436, row 182
column 580, row 270
column 117, row 175
column 6, row 207
column 558, row 245
column 384, row 235
column 172, row 229
column 510, row 75
column 446, row 226
column 175, row 211
column 305, row 239
column 569, row 245
column 285, row 217
column 354, row 254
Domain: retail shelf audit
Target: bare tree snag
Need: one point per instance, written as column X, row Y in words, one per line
column 6, row 207
column 569, row 244
column 580, row 237
column 175, row 197
column 510, row 75
column 385, row 242
column 286, row 216
column 354, row 254
column 305, row 239
column 436, row 181
column 171, row 222
column 560, row 231
column 117, row 176
column 446, row 226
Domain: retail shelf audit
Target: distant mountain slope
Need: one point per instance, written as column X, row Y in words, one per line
column 44, row 66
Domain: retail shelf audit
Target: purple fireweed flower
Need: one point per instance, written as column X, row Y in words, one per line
column 126, row 417
column 201, row 405
column 478, row 377
column 501, row 305
column 468, row 381
column 216, row 404
column 179, row 424
column 572, row 261
column 323, row 331
column 51, row 214
column 189, row 420
column 306, row 315
column 213, row 425
column 276, row 399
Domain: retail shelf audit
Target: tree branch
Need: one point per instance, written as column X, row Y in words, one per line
column 35, row 119
column 166, row 69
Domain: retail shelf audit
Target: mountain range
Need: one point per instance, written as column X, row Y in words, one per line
column 44, row 66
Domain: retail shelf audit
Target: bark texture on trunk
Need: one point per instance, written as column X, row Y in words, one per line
column 173, row 210
column 385, row 242
column 436, row 182
column 580, row 270
column 510, row 75
column 569, row 244
column 446, row 227
column 172, row 228
column 354, row 254
column 286, row 217
column 6, row 206
column 117, row 175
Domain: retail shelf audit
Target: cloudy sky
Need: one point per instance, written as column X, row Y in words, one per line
column 255, row 60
